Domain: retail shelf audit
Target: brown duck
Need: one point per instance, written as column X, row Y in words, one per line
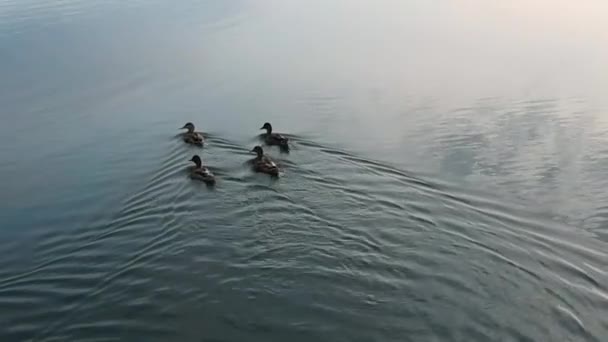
column 262, row 163
column 192, row 137
column 200, row 172
column 276, row 139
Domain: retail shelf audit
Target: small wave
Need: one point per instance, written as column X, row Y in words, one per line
column 337, row 228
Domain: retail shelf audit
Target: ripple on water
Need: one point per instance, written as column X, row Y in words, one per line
column 336, row 242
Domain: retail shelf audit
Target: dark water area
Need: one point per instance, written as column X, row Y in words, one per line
column 446, row 178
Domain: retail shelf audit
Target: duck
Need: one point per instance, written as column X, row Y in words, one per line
column 274, row 138
column 200, row 172
column 192, row 137
column 262, row 163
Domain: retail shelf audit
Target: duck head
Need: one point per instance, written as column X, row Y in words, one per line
column 268, row 127
column 196, row 160
column 258, row 150
column 189, row 126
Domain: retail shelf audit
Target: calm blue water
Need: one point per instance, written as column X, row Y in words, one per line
column 446, row 180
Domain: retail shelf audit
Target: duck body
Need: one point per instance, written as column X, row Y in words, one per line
column 200, row 172
column 192, row 137
column 275, row 139
column 263, row 163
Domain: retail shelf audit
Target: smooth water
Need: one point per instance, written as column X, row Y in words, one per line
column 446, row 180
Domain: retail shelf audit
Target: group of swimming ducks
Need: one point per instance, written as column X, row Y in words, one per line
column 261, row 163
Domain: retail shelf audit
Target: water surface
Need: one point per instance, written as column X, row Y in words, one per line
column 445, row 183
